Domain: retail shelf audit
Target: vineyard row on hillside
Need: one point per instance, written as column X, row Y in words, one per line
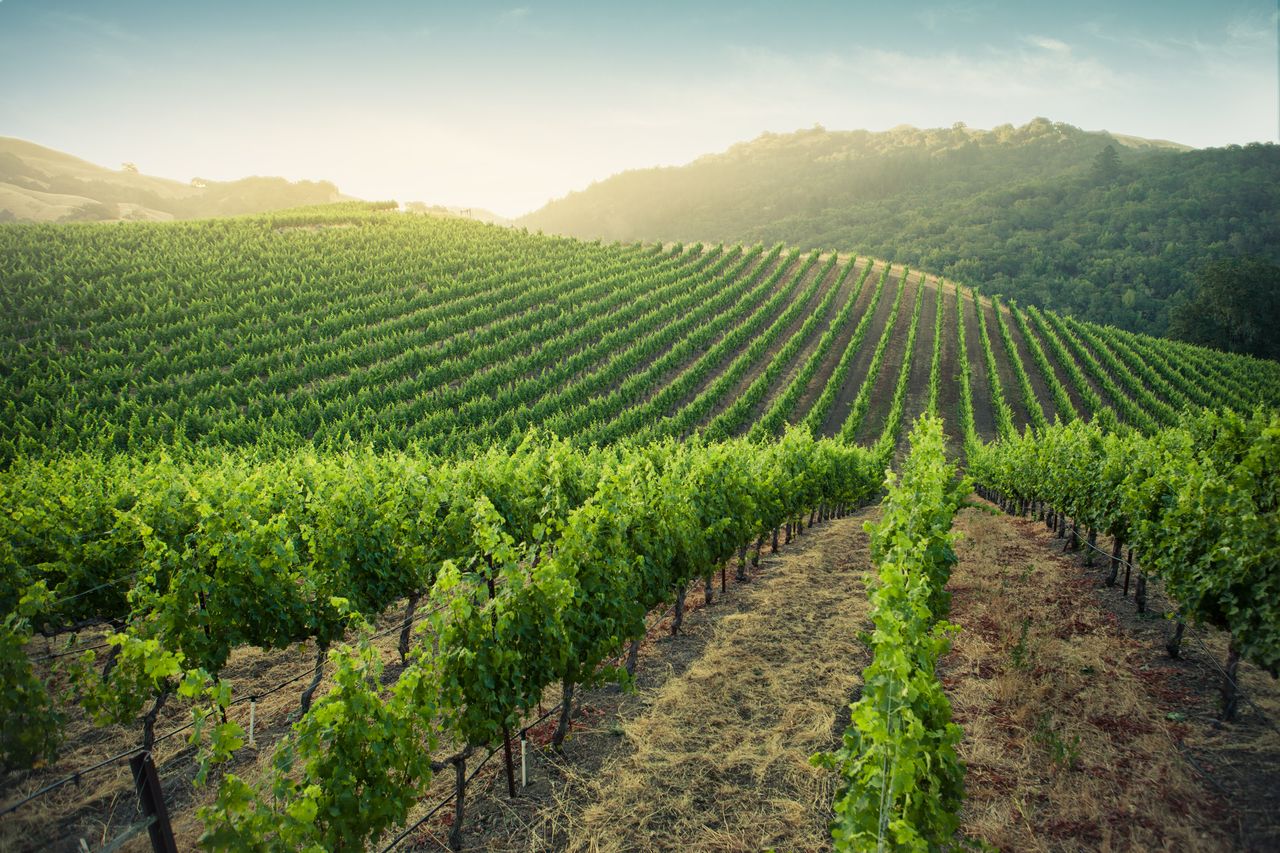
column 531, row 569
column 260, row 434
column 449, row 335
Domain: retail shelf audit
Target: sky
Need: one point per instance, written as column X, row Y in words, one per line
column 506, row 106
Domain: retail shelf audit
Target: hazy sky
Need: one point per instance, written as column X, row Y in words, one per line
column 507, row 105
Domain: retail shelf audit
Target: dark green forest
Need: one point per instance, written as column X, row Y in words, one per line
column 1108, row 228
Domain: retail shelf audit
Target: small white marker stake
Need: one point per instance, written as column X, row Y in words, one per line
column 524, row 762
column 253, row 719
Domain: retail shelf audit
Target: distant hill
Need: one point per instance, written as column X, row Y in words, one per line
column 479, row 214
column 39, row 184
column 1037, row 212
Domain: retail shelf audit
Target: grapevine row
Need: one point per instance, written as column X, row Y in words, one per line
column 861, row 403
column 1003, row 414
column 818, row 413
column 1196, row 503
column 901, row 781
column 778, row 413
column 1035, row 412
column 1066, row 412
column 534, row 566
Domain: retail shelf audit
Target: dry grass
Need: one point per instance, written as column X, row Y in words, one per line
column 1065, row 747
column 1067, row 736
column 1239, row 762
column 716, row 757
column 104, row 803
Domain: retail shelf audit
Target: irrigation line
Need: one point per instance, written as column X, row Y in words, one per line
column 614, row 660
column 77, row 775
column 1107, row 554
column 1186, row 753
column 400, row 626
column 523, row 732
column 179, row 730
column 438, row 806
column 67, row 780
column 89, row 591
column 69, row 653
column 1213, row 660
column 1207, row 653
column 253, row 697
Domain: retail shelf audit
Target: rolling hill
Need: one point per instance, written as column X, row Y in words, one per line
column 39, row 184
column 351, row 322
column 1038, row 213
column 245, row 457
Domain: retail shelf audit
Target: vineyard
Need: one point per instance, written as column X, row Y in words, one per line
column 331, row 507
column 445, row 335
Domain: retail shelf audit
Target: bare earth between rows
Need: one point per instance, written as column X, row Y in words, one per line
column 1070, row 737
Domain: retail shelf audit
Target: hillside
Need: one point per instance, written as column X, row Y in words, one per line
column 350, row 322
column 284, row 527
column 39, row 184
column 1035, row 213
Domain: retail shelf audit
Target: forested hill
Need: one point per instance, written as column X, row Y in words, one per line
column 1043, row 213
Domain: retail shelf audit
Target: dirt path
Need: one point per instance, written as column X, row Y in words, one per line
column 720, row 760
column 983, row 417
column 1239, row 761
column 711, row 752
column 1075, row 734
column 823, row 375
column 862, row 361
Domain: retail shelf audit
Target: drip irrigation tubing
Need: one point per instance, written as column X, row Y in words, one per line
column 1234, row 686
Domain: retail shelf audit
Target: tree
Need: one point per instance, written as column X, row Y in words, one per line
column 1235, row 307
column 1106, row 165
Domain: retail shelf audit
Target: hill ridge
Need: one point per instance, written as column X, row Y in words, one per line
column 30, row 173
column 1039, row 212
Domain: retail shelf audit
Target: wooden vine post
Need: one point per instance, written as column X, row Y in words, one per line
column 151, row 800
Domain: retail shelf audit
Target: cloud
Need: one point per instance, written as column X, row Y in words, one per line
column 935, row 18
column 1050, row 44
column 1158, row 48
column 1243, row 37
column 94, row 26
column 1253, row 29
column 511, row 16
column 1034, row 65
column 1051, row 68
